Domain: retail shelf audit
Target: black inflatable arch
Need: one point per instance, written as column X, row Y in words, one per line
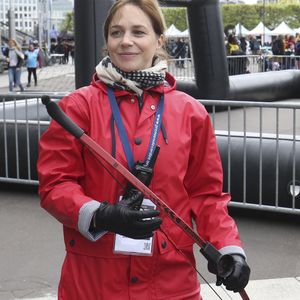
column 208, row 51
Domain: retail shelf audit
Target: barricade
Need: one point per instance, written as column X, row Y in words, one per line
column 183, row 69
column 258, row 144
column 22, row 121
column 242, row 64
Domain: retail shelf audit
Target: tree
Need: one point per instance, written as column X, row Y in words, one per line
column 176, row 16
column 288, row 1
column 68, row 23
column 270, row 14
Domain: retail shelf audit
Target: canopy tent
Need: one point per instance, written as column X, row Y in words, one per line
column 297, row 30
column 185, row 33
column 260, row 29
column 172, row 31
column 241, row 30
column 283, row 28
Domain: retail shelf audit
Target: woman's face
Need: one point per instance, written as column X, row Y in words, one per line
column 11, row 44
column 132, row 41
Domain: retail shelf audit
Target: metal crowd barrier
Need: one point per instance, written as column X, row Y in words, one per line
column 182, row 69
column 242, row 64
column 22, row 121
column 258, row 144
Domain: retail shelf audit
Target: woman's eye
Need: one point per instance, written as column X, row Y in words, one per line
column 115, row 33
column 138, row 32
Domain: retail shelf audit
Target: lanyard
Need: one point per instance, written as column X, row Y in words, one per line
column 122, row 132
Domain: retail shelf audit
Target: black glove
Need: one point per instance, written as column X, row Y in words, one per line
column 124, row 219
column 238, row 273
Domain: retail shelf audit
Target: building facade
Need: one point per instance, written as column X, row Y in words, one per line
column 25, row 13
column 34, row 17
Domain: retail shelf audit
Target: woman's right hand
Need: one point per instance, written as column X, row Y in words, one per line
column 124, row 219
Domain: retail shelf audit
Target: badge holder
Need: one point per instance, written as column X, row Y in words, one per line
column 127, row 246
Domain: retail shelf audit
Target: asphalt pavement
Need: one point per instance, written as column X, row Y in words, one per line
column 32, row 251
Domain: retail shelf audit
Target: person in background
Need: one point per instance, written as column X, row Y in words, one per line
column 254, row 45
column 66, row 49
column 180, row 52
column 31, row 56
column 15, row 58
column 297, row 50
column 278, row 50
column 232, row 46
column 113, row 249
column 39, row 51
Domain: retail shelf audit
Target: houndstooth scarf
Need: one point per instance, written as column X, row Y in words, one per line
column 135, row 80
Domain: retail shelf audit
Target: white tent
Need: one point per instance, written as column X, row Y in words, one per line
column 172, row 31
column 283, row 28
column 297, row 30
column 185, row 33
column 260, row 29
column 240, row 30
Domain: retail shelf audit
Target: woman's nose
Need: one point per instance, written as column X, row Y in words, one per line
column 127, row 39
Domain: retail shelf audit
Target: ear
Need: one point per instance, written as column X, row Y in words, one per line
column 160, row 41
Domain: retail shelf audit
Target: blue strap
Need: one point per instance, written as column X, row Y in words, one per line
column 121, row 128
column 122, row 132
column 155, row 130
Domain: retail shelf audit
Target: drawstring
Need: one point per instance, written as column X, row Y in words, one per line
column 164, row 133
column 113, row 136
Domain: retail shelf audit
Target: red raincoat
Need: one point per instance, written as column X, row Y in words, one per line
column 187, row 176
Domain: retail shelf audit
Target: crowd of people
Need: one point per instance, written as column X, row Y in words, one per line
column 282, row 53
column 67, row 48
column 178, row 49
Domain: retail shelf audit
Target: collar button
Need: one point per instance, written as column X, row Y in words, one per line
column 138, row 141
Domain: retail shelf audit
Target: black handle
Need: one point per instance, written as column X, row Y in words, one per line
column 57, row 114
column 221, row 264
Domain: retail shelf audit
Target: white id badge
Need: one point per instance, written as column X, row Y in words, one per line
column 126, row 245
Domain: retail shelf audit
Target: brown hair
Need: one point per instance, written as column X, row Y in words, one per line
column 150, row 8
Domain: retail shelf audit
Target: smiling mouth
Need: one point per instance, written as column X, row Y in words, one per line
column 127, row 54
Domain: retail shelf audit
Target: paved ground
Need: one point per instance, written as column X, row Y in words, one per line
column 31, row 251
column 56, row 78
column 31, row 248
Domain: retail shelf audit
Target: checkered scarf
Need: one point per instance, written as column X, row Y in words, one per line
column 135, row 80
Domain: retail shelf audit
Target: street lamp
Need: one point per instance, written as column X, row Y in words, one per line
column 11, row 21
column 264, row 21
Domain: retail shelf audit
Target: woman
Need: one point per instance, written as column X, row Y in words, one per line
column 130, row 92
column 31, row 56
column 15, row 57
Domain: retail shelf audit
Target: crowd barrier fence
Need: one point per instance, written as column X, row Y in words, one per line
column 258, row 143
column 183, row 69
